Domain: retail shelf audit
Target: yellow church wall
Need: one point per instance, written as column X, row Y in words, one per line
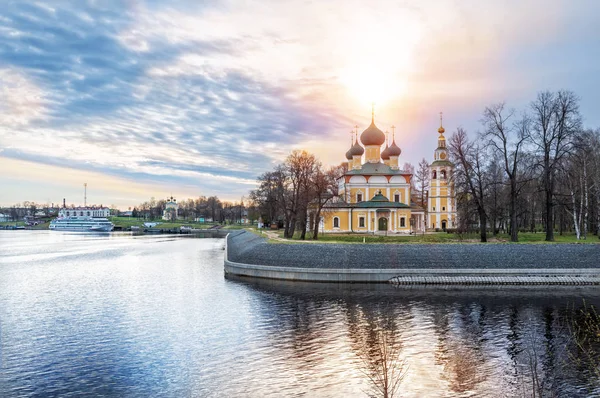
column 387, row 191
column 343, row 220
column 371, row 220
column 432, row 221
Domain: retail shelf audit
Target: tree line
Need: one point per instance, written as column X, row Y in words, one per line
column 202, row 207
column 537, row 169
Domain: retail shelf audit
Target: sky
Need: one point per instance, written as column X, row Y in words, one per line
column 143, row 99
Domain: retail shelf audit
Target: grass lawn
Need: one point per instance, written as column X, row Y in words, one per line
column 128, row 222
column 442, row 237
column 12, row 223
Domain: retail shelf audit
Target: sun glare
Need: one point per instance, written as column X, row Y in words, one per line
column 381, row 61
column 372, row 83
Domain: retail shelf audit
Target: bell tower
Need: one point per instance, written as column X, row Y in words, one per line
column 441, row 204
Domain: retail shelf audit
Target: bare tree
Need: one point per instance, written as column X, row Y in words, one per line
column 422, row 178
column 325, row 189
column 300, row 167
column 507, row 138
column 495, row 202
column 555, row 120
column 469, row 158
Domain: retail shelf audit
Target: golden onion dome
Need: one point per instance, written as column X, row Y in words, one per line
column 385, row 154
column 372, row 136
column 356, row 149
column 349, row 154
column 394, row 150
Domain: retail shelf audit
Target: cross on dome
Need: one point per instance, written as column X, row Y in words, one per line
column 441, row 130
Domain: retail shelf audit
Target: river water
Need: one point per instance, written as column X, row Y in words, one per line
column 153, row 316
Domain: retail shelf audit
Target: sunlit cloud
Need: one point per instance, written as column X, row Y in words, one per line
column 22, row 101
column 208, row 95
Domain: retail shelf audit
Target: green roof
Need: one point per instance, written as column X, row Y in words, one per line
column 381, row 201
column 442, row 163
column 371, row 204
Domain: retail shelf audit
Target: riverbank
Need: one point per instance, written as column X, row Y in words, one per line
column 252, row 255
column 433, row 237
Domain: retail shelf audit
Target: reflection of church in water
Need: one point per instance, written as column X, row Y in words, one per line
column 376, row 194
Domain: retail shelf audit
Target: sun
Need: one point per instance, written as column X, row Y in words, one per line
column 378, row 62
column 372, row 83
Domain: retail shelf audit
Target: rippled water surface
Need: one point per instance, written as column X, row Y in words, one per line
column 115, row 315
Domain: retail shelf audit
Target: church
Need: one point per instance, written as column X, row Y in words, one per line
column 375, row 194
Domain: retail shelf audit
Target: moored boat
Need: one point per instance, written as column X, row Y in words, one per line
column 84, row 224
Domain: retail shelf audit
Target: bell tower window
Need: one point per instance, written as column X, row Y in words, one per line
column 434, row 175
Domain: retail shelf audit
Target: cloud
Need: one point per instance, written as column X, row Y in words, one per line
column 208, row 95
column 22, row 100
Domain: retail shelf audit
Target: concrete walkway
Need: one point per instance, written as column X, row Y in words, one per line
column 248, row 254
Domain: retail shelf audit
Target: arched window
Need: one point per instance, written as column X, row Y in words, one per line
column 81, row 213
column 359, row 197
column 88, row 213
column 336, row 222
column 68, row 214
column 434, row 175
column 443, row 174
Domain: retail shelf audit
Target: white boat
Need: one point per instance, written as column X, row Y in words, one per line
column 85, row 224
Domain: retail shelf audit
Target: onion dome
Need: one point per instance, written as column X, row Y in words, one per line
column 356, row 149
column 441, row 130
column 372, row 136
column 349, row 153
column 385, row 154
column 394, row 150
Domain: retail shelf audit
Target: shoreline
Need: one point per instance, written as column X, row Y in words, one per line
column 250, row 255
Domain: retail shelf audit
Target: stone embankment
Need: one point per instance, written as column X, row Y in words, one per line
column 251, row 255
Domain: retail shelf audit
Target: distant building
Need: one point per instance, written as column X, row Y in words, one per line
column 4, row 217
column 88, row 211
column 171, row 209
column 128, row 213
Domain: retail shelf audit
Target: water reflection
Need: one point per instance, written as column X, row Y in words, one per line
column 454, row 342
column 153, row 316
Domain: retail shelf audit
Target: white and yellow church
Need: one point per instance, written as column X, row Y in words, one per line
column 375, row 194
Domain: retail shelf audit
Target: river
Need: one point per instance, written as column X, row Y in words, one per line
column 153, row 316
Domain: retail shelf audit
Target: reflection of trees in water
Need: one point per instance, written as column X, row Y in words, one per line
column 508, row 346
column 544, row 354
column 584, row 347
column 376, row 338
column 460, row 339
column 300, row 327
